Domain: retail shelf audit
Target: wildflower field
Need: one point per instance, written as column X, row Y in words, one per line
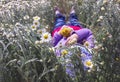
column 26, row 52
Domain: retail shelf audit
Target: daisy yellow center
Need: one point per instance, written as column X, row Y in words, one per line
column 64, row 52
column 45, row 36
column 88, row 63
column 36, row 23
column 86, row 44
column 40, row 31
column 36, row 18
column 33, row 27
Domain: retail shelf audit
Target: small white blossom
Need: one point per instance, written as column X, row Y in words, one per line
column 37, row 42
column 102, row 62
column 100, row 17
column 26, row 17
column 41, row 31
column 102, row 8
column 36, row 18
column 89, row 70
column 46, row 37
column 36, row 23
column 88, row 63
column 33, row 27
column 41, row 60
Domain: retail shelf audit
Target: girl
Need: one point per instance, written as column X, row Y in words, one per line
column 65, row 34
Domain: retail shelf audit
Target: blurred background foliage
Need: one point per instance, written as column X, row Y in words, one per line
column 23, row 60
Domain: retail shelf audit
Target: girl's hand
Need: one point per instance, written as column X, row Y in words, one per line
column 72, row 39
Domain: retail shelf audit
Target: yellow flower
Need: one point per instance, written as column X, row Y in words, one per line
column 65, row 31
column 64, row 52
column 88, row 63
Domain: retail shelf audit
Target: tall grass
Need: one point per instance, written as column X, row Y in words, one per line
column 24, row 58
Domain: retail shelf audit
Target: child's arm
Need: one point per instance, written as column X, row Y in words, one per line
column 56, row 38
column 82, row 34
column 72, row 39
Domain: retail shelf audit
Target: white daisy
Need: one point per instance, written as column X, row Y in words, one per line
column 36, row 18
column 33, row 27
column 88, row 63
column 36, row 23
column 46, row 37
column 41, row 31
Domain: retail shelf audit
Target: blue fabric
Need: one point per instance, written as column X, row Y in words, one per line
column 73, row 20
column 60, row 20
